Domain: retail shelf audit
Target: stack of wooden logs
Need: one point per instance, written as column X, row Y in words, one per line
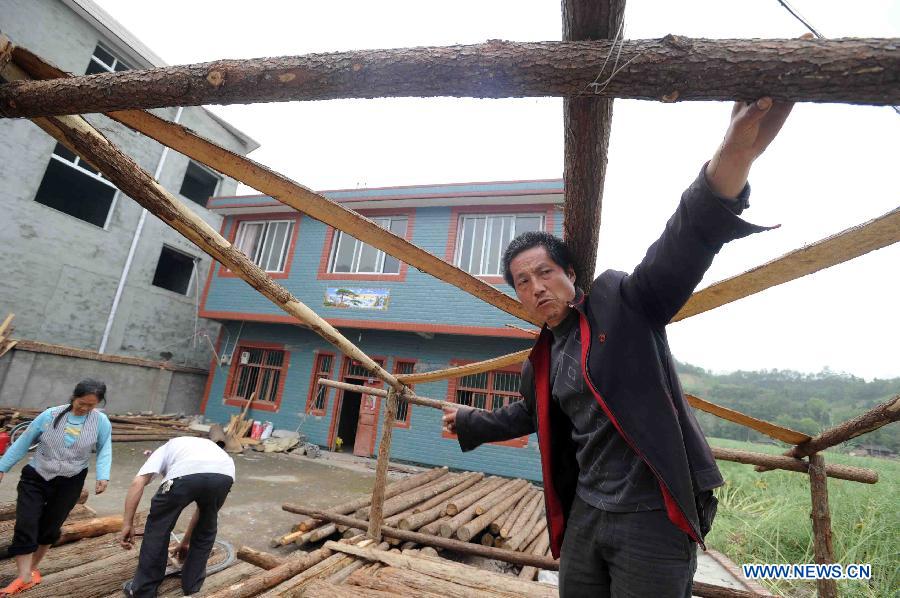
column 125, row 428
column 468, row 506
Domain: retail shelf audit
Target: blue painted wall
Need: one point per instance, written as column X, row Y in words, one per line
column 421, row 298
column 422, row 442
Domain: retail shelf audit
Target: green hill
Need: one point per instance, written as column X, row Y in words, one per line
column 807, row 403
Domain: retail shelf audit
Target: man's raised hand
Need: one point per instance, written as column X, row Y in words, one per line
column 449, row 419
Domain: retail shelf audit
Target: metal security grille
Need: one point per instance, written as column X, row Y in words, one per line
column 489, row 390
column 324, row 364
column 259, row 372
column 403, row 368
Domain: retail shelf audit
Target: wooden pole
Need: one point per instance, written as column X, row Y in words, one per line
column 464, row 370
column 378, row 392
column 841, row 472
column 586, row 125
column 271, row 578
column 874, row 418
column 376, row 513
column 674, row 68
column 769, row 429
column 263, row 560
column 508, row 556
column 821, row 522
column 468, row 530
column 132, row 180
column 836, row 249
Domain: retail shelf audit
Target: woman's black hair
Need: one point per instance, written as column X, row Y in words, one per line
column 88, row 386
column 556, row 248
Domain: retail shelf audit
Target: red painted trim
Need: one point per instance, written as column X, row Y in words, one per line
column 339, row 395
column 674, row 512
column 212, row 268
column 546, row 210
column 257, row 405
column 213, row 368
column 324, row 274
column 373, row 324
column 289, row 258
column 397, row 361
column 452, row 384
column 556, row 519
column 313, row 378
column 268, row 204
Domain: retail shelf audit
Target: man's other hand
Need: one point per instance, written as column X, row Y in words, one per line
column 126, row 537
column 449, row 419
column 753, row 127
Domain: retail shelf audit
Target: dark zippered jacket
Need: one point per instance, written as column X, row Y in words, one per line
column 629, row 370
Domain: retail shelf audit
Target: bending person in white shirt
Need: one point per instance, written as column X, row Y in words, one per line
column 194, row 470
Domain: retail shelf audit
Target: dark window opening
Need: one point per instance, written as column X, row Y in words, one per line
column 258, row 374
column 76, row 193
column 103, row 61
column 174, row 271
column 198, row 184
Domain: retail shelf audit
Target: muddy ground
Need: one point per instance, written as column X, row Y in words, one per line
column 252, row 515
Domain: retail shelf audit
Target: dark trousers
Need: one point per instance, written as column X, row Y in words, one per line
column 639, row 555
column 41, row 508
column 209, row 491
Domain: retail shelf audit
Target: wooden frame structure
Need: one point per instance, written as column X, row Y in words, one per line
column 859, row 71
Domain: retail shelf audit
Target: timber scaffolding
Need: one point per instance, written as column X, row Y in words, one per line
column 579, row 69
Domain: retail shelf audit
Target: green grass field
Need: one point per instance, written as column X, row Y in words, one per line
column 765, row 518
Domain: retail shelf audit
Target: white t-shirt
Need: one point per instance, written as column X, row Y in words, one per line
column 186, row 455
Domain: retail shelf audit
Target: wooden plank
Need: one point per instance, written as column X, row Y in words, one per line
column 376, row 512
column 821, row 523
column 859, row 71
column 769, row 429
column 290, row 193
column 836, row 249
column 131, row 179
column 378, row 392
column 587, row 121
column 8, row 319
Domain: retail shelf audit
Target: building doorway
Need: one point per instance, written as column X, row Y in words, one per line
column 348, row 421
column 354, row 418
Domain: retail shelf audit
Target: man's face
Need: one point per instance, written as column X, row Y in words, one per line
column 543, row 287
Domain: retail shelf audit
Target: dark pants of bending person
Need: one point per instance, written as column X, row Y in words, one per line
column 639, row 555
column 41, row 508
column 209, row 491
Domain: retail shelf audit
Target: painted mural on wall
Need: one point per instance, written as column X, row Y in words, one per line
column 354, row 298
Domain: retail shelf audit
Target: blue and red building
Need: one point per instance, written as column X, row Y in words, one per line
column 406, row 320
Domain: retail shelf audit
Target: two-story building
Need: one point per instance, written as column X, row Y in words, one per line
column 406, row 320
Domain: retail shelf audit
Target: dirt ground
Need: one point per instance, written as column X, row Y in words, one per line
column 252, row 515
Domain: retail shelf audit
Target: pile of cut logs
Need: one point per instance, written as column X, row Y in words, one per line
column 125, row 428
column 466, row 506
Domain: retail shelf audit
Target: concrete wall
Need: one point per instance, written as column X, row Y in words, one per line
column 422, row 441
column 38, row 380
column 60, row 273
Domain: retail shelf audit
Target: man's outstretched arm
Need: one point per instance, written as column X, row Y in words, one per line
column 474, row 427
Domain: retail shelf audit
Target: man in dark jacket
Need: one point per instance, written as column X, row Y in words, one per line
column 628, row 475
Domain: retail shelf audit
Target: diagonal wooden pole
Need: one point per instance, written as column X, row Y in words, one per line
column 79, row 135
column 858, row 71
column 289, row 193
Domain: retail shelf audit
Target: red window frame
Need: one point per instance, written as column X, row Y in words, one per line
column 234, row 376
column 454, row 385
column 404, row 409
column 319, row 372
column 324, row 274
column 224, row 272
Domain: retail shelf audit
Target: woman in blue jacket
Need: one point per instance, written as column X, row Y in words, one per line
column 52, row 481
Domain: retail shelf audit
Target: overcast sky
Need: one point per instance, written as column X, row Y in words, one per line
column 833, row 167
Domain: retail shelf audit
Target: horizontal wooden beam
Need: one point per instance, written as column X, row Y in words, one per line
column 674, row 68
column 500, row 554
column 289, row 193
column 769, row 429
column 836, row 249
column 465, row 370
column 876, row 417
column 863, row 475
column 139, row 185
column 378, row 392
